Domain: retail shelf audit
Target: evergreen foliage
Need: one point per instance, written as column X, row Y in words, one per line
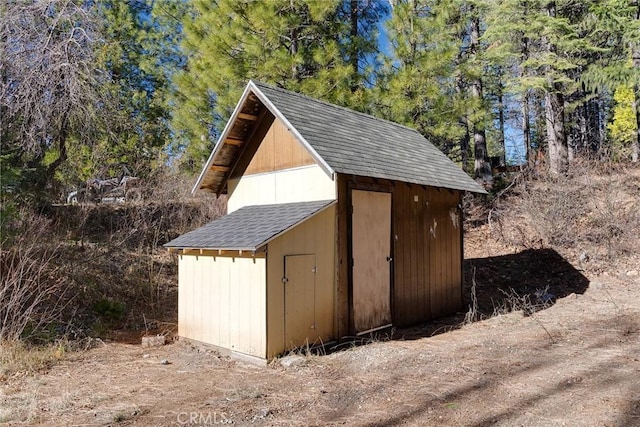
column 623, row 126
column 83, row 87
column 319, row 48
column 86, row 87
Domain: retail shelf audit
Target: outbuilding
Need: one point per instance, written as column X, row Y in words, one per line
column 338, row 224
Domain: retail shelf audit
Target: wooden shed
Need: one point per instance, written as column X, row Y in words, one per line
column 338, row 224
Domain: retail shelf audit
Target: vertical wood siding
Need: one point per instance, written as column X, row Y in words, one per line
column 279, row 150
column 428, row 253
column 222, row 300
column 445, row 251
column 299, row 300
column 371, row 235
column 277, row 169
column 313, row 237
column 343, row 212
column 411, row 264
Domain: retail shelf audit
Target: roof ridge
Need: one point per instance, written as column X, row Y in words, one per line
column 329, row 104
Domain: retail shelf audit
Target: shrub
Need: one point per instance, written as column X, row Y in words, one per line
column 595, row 211
column 32, row 288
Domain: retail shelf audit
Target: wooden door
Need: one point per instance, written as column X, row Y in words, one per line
column 371, row 253
column 299, row 300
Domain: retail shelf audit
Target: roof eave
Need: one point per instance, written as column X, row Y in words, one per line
column 221, row 139
column 258, row 246
column 241, row 249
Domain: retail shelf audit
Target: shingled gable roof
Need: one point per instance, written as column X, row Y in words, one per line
column 249, row 228
column 353, row 143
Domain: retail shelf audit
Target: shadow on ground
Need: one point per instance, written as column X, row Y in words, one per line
column 534, row 272
column 530, row 280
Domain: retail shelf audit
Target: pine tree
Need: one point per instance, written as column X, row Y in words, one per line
column 482, row 167
column 83, row 86
column 434, row 78
column 509, row 31
column 547, row 42
column 140, row 57
column 419, row 85
column 618, row 24
column 314, row 47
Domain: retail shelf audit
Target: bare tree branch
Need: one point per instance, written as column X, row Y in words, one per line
column 49, row 82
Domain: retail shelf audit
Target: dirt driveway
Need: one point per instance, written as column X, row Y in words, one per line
column 576, row 363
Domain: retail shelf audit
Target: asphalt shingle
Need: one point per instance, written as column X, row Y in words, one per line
column 249, row 227
column 359, row 144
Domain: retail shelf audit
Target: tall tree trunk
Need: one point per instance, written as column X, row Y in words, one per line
column 635, row 148
column 556, row 135
column 466, row 137
column 464, row 144
column 635, row 57
column 635, row 53
column 554, row 115
column 482, row 166
column 526, row 118
column 526, row 129
column 585, row 137
column 503, row 159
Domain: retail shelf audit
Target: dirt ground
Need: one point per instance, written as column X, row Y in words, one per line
column 573, row 363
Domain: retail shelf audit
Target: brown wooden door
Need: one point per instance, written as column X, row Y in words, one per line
column 371, row 252
column 299, row 300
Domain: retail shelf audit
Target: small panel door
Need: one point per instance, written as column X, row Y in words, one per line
column 371, row 252
column 299, row 300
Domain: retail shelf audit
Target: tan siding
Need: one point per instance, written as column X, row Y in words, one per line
column 217, row 301
column 371, row 234
column 315, row 236
column 184, row 295
column 294, row 185
column 223, row 286
column 258, row 318
column 238, row 317
column 299, row 300
column 279, row 150
column 221, row 301
column 277, row 169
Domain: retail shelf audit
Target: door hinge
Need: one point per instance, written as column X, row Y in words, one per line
column 314, row 270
